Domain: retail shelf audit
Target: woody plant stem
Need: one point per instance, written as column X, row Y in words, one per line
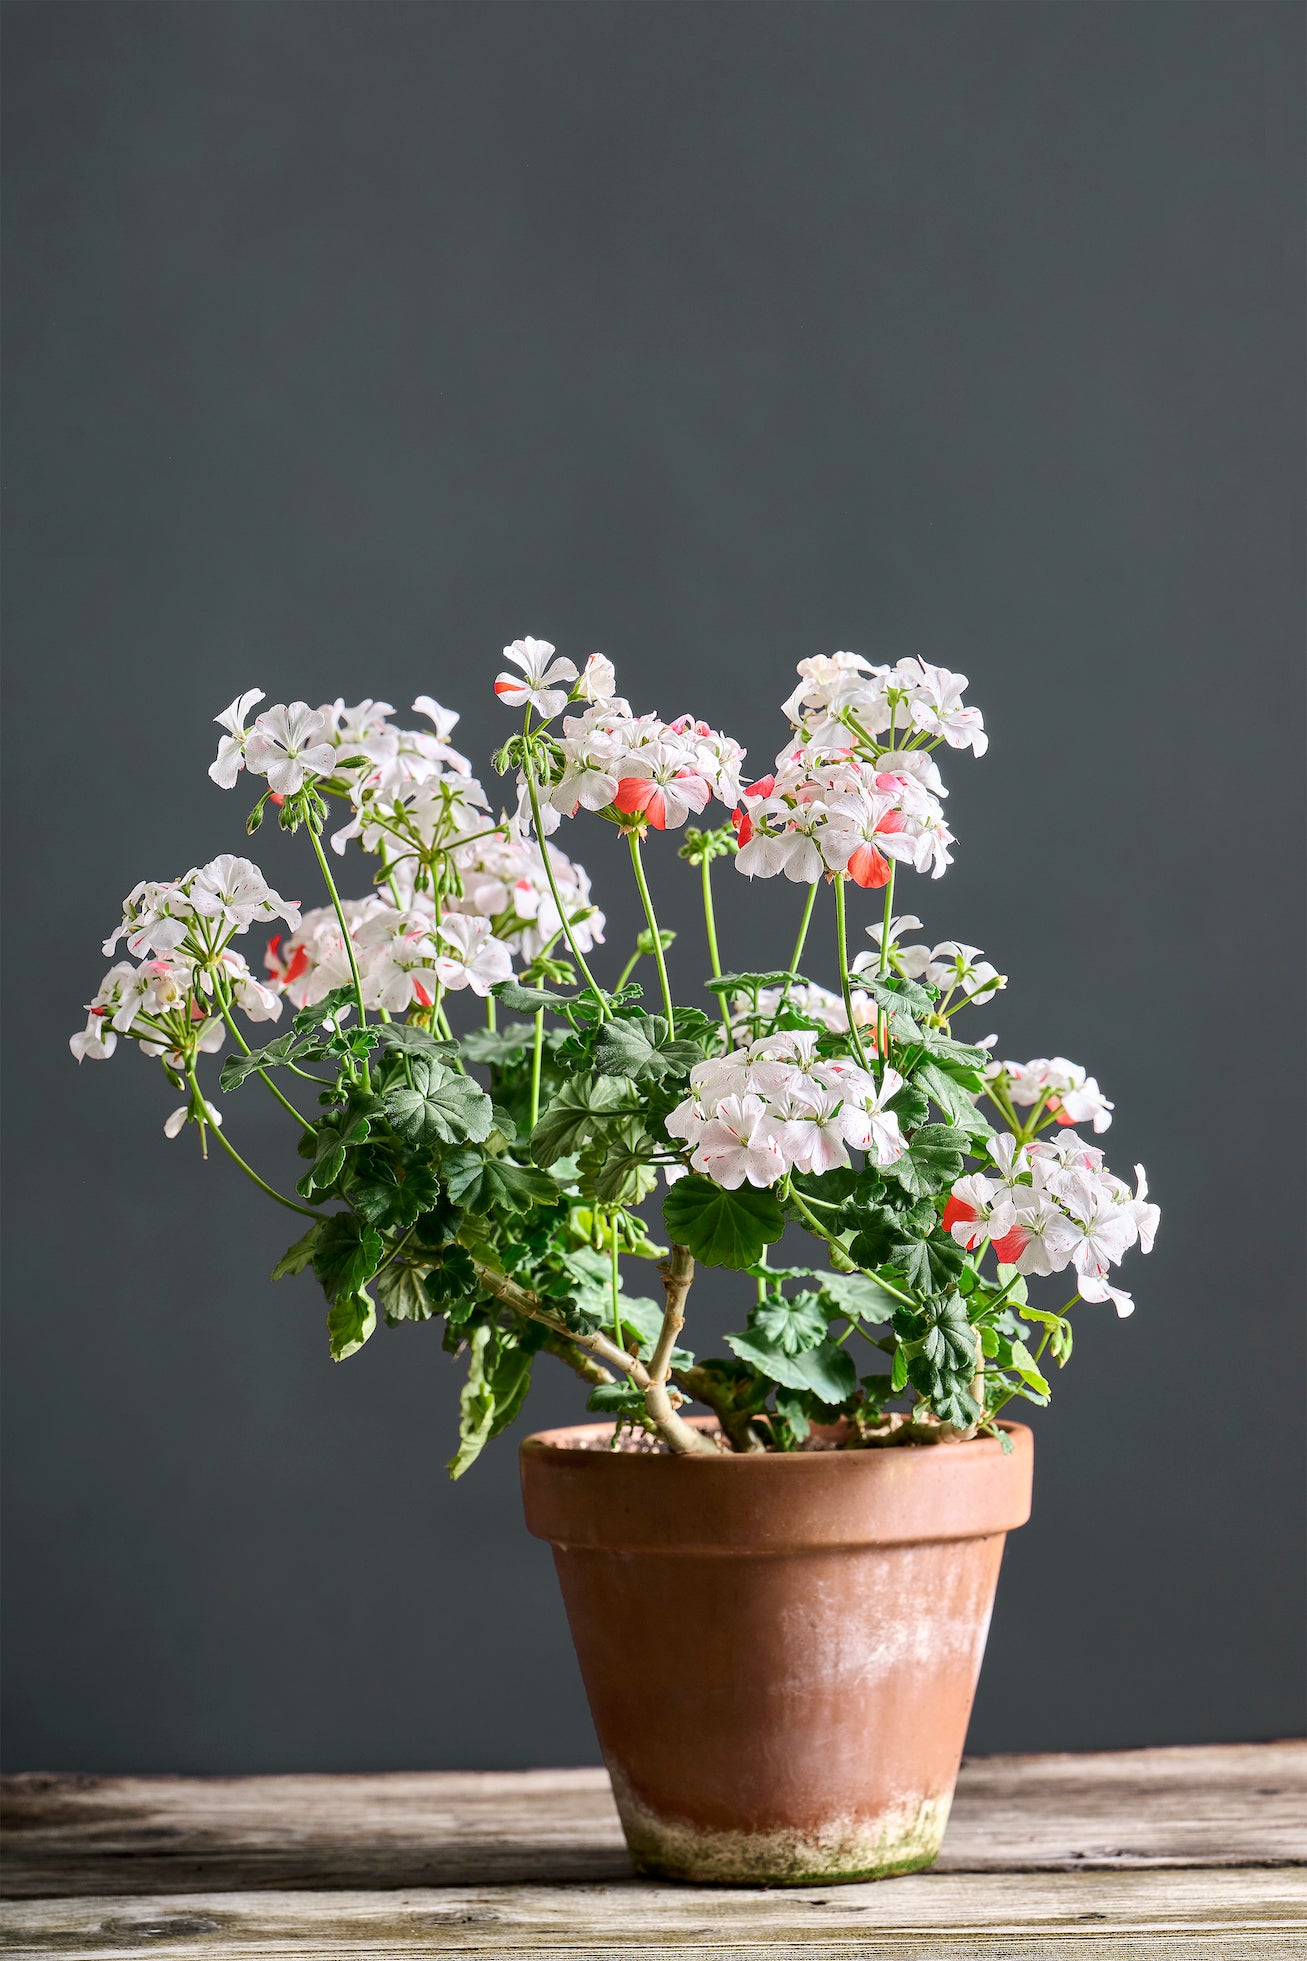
column 678, row 1271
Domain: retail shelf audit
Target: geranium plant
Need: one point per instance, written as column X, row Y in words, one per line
column 501, row 1177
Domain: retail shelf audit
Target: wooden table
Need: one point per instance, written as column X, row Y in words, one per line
column 1184, row 1853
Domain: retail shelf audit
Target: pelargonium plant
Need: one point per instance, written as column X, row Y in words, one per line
column 496, row 1177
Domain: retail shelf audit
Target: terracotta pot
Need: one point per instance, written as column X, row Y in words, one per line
column 780, row 1652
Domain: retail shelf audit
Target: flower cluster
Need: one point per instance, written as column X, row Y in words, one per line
column 503, row 878
column 774, row 1107
column 405, row 958
column 1053, row 1205
column 1060, row 1087
column 952, row 966
column 840, row 695
column 836, row 812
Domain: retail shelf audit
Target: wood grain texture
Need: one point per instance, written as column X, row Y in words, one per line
column 1160, row 1912
column 1228, row 1805
column 1181, row 1853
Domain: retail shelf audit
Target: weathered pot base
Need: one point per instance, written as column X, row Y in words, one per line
column 903, row 1839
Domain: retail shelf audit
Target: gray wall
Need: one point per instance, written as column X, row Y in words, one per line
column 348, row 342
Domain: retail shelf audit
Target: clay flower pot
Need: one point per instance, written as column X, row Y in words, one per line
column 780, row 1651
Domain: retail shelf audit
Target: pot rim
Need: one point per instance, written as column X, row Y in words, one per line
column 547, row 1442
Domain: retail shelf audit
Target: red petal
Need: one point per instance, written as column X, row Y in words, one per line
column 893, row 820
column 299, row 964
column 656, row 811
column 743, row 827
column 868, row 868
column 762, row 788
column 633, row 794
column 954, row 1212
column 1011, row 1246
column 424, row 999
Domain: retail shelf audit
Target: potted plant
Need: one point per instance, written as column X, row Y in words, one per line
column 778, row 1563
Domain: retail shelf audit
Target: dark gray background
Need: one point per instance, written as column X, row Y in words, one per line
column 347, row 343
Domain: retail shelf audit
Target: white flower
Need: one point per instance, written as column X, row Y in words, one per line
column 230, row 759
column 255, row 1001
column 664, row 791
column 936, row 705
column 287, row 746
column 313, row 960
column 598, row 681
column 446, row 720
column 97, row 1041
column 471, row 956
column 154, row 919
column 541, row 673
column 234, row 892
column 397, row 959
column 738, row 1143
column 1063, row 1087
column 177, row 1122
column 1146, row 1217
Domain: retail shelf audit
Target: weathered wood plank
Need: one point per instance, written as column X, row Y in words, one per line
column 1224, row 1806
column 1187, row 1914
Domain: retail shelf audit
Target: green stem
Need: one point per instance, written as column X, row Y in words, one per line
column 543, row 847
column 710, row 925
column 615, row 1284
column 797, row 955
column 797, row 1199
column 536, row 1055
column 330, row 882
column 633, row 839
column 627, row 971
column 887, row 916
column 233, row 1153
column 841, row 937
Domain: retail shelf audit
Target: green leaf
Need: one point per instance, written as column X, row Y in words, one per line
column 300, row 1255
column 859, row 1296
column 790, row 1325
column 899, row 1373
column 333, row 1139
column 1024, row 1364
column 350, row 1322
column 346, row 1254
column 496, row 1046
column 953, row 1055
column 748, row 983
column 615, row 1170
column 929, row 1264
column 826, row 1370
column 894, row 994
column 527, row 1000
column 411, row 1040
column 952, row 1098
column 932, row 1160
column 402, row 1293
column 620, row 1398
column 286, row 1049
column 441, row 1107
column 483, row 1183
column 395, row 1195
column 722, row 1228
column 909, row 1106
column 476, row 1403
column 579, row 1110
column 499, row 1375
column 642, row 1046
column 329, row 1008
